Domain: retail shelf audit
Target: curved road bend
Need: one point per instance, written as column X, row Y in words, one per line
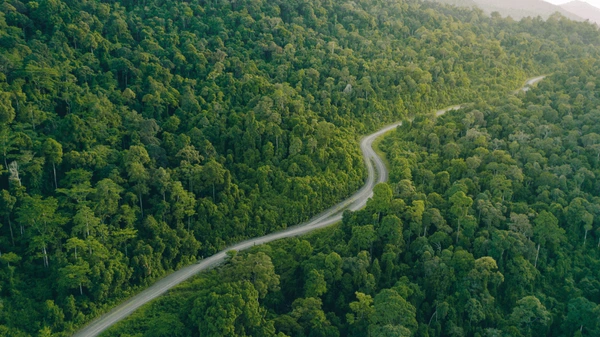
column 377, row 173
column 530, row 83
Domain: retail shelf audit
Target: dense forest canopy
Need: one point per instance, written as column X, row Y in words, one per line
column 488, row 227
column 137, row 137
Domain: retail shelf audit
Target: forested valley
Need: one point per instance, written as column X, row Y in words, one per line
column 488, row 227
column 137, row 137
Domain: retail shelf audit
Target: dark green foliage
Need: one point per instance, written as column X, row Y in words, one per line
column 137, row 137
column 525, row 262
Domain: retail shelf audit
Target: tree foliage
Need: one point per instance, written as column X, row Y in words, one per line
column 137, row 137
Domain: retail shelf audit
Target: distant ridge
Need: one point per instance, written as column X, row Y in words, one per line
column 458, row 3
column 517, row 9
column 584, row 10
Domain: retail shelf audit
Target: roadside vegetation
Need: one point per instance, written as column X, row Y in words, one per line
column 488, row 227
column 137, row 137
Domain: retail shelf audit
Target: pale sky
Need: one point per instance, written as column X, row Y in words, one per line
column 592, row 2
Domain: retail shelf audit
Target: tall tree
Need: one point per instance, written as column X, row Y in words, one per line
column 54, row 154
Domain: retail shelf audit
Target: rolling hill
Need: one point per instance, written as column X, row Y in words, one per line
column 517, row 9
column 583, row 10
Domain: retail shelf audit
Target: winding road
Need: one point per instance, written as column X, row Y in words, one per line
column 377, row 173
column 530, row 82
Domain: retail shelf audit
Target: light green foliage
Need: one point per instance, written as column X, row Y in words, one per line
column 9, row 258
column 390, row 231
column 7, row 112
column 228, row 310
column 362, row 237
column 315, row 284
column 393, row 310
column 362, row 309
column 256, row 269
column 485, row 272
column 530, row 314
column 382, row 196
column 75, row 275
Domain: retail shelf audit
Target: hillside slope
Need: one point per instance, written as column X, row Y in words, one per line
column 517, row 9
column 137, row 137
column 583, row 10
column 487, row 227
column 458, row 3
